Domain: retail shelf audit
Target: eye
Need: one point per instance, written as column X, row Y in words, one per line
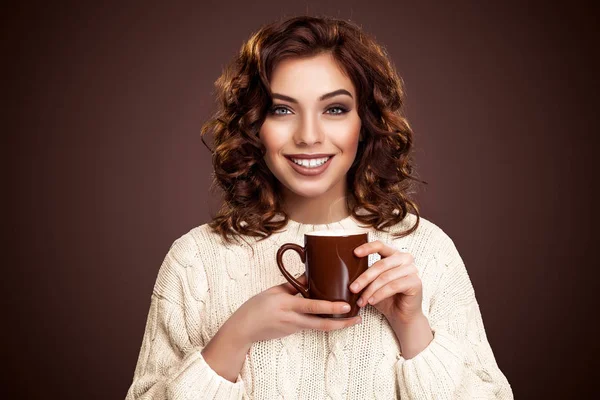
column 338, row 110
column 276, row 108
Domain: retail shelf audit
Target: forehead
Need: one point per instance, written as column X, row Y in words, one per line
column 310, row 77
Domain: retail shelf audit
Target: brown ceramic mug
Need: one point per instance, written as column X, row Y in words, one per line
column 331, row 267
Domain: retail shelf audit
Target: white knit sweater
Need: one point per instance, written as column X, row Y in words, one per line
column 202, row 281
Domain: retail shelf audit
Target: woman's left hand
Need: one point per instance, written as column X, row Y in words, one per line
column 392, row 284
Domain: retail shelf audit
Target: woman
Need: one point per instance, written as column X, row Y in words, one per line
column 311, row 135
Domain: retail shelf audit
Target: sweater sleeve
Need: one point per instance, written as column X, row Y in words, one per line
column 170, row 364
column 459, row 362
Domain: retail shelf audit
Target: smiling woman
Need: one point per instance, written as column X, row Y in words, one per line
column 307, row 89
column 308, row 148
column 311, row 136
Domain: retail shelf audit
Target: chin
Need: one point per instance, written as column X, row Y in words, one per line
column 308, row 191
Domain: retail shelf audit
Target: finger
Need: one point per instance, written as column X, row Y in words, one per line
column 311, row 306
column 385, row 278
column 287, row 287
column 378, row 268
column 326, row 324
column 409, row 285
column 375, row 247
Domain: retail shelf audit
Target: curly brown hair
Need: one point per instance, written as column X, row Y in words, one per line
column 381, row 178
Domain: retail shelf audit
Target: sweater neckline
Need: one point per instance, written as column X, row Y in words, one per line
column 298, row 229
column 341, row 223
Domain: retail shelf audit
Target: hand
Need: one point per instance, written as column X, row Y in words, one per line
column 271, row 314
column 277, row 312
column 392, row 285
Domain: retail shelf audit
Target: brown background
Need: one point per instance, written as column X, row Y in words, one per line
column 104, row 169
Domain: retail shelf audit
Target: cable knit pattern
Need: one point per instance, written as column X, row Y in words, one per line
column 337, row 365
column 203, row 280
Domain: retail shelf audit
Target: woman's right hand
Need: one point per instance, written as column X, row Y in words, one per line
column 274, row 313
column 278, row 312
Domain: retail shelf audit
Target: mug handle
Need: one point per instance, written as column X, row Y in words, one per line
column 300, row 250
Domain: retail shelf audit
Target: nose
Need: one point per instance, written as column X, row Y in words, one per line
column 308, row 132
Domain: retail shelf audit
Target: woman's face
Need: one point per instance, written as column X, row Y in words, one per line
column 311, row 132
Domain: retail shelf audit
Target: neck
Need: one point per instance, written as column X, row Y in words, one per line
column 325, row 209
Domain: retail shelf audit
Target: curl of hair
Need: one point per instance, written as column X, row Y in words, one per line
column 381, row 178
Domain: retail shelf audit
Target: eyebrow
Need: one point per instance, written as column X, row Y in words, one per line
column 323, row 97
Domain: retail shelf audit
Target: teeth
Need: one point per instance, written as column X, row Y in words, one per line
column 313, row 163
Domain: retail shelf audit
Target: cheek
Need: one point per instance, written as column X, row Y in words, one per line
column 346, row 136
column 272, row 137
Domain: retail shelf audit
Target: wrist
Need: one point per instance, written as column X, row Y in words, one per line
column 414, row 335
column 226, row 352
column 407, row 321
column 236, row 334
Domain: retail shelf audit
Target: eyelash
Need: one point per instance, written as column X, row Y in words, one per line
column 344, row 110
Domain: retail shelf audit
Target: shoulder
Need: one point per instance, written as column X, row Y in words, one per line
column 186, row 248
column 184, row 261
column 428, row 239
column 426, row 229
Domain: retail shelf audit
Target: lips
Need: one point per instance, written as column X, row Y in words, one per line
column 307, row 156
column 302, row 170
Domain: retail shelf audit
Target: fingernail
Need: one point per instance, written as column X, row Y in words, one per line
column 360, row 302
column 354, row 286
column 346, row 307
column 371, row 300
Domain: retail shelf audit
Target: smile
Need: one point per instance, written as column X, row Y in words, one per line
column 310, row 167
column 312, row 163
